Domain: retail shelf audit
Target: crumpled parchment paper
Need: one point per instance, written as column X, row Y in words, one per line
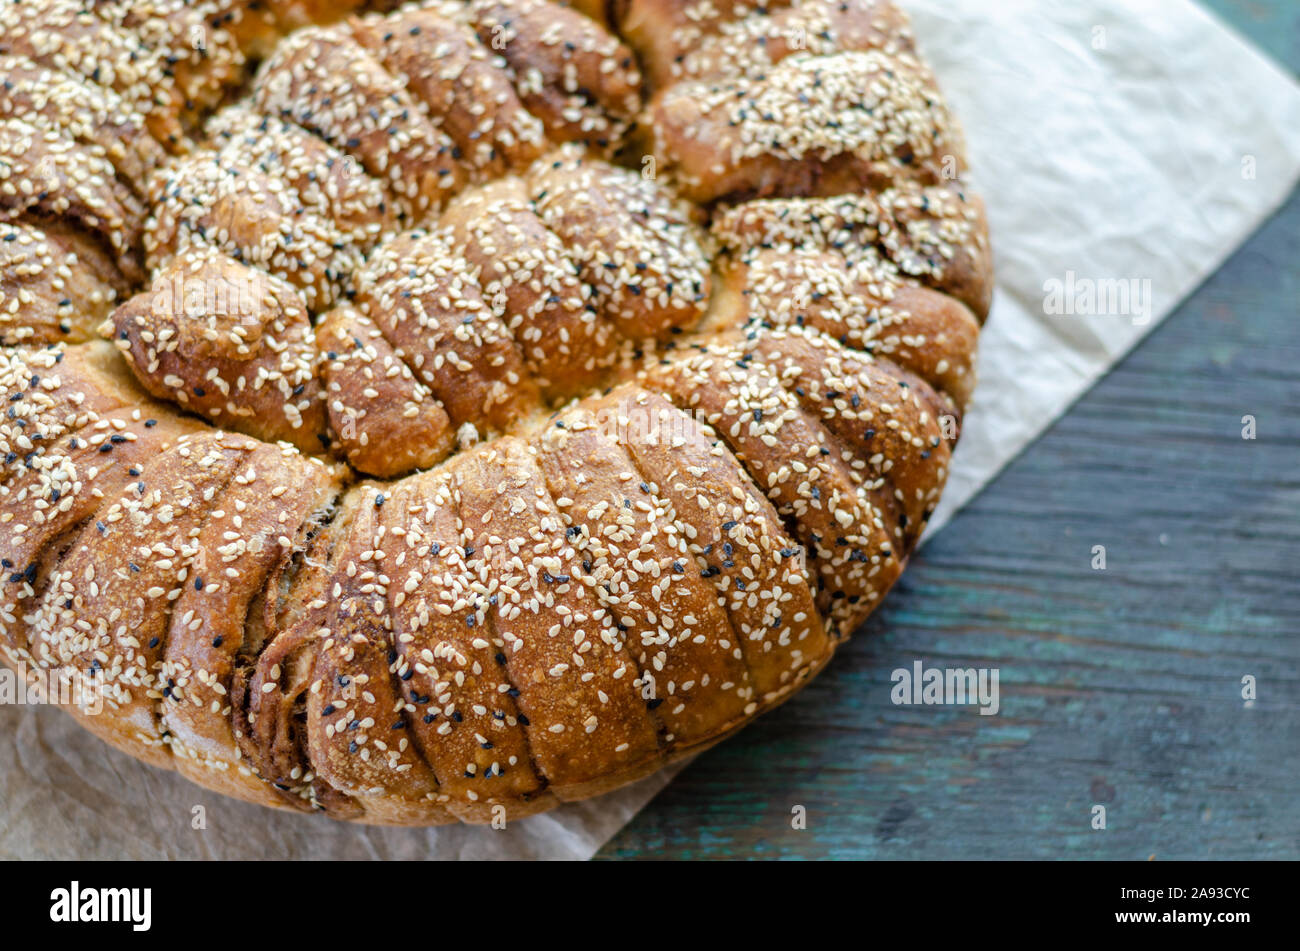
column 1112, row 140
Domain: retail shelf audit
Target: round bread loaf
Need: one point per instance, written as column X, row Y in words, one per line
column 445, row 411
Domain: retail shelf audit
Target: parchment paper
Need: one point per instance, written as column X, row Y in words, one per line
column 1140, row 141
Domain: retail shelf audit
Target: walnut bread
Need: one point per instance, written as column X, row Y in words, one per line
column 421, row 413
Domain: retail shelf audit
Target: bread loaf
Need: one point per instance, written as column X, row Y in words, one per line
column 441, row 412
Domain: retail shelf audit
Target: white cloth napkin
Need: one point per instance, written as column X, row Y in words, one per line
column 1112, row 140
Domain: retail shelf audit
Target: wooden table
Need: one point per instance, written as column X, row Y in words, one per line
column 1119, row 687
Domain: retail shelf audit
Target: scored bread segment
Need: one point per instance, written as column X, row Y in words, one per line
column 425, row 299
column 230, row 344
column 936, row 234
column 461, row 85
column 96, row 116
column 633, row 558
column 732, row 531
column 575, row 681
column 724, row 38
column 846, row 524
column 323, row 80
column 635, row 244
column 810, row 125
column 56, row 284
column 255, row 525
column 533, row 284
column 70, row 35
column 46, row 174
column 570, row 72
column 106, row 609
column 385, row 420
column 460, row 703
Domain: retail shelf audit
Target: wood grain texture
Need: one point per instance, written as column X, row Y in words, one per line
column 1119, row 687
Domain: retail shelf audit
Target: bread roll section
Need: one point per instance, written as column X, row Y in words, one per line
column 230, row 344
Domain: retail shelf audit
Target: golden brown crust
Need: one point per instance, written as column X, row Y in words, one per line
column 939, row 235
column 542, row 601
column 386, row 421
column 228, row 343
column 596, row 10
column 811, row 125
column 634, row 560
column 45, row 173
column 665, row 31
column 95, row 116
column 254, row 527
column 251, row 23
column 203, row 58
column 562, row 651
column 935, row 234
column 106, row 606
column 76, row 430
column 529, row 286
column 885, row 416
column 235, row 199
column 65, row 34
column 681, row 41
column 461, row 85
column 846, row 524
column 633, row 242
column 569, row 71
column 326, row 82
column 864, row 305
column 529, row 276
column 56, row 283
column 349, row 207
column 731, row 530
column 460, row 706
column 356, row 736
column 423, row 297
column 127, row 524
column 269, row 688
column 201, row 203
